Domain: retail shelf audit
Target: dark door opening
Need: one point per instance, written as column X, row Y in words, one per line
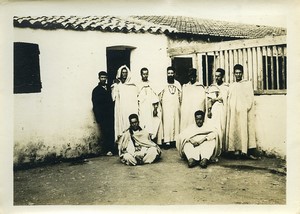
column 182, row 66
column 116, row 57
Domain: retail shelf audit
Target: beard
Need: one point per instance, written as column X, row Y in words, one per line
column 170, row 79
column 219, row 82
column 193, row 81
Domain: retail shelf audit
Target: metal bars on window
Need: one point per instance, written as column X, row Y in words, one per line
column 265, row 66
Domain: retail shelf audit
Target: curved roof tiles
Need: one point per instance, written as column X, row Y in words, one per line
column 150, row 24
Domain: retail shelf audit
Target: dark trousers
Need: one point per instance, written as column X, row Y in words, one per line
column 107, row 137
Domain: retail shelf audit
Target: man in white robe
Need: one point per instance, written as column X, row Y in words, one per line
column 217, row 104
column 240, row 128
column 198, row 143
column 193, row 99
column 149, row 107
column 135, row 146
column 170, row 98
column 124, row 94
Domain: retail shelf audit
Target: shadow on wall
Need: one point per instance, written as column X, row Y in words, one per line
column 36, row 154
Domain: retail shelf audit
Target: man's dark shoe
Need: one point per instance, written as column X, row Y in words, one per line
column 173, row 144
column 139, row 160
column 203, row 163
column 192, row 162
column 167, row 146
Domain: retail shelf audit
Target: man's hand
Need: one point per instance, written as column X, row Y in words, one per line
column 219, row 99
column 155, row 113
column 199, row 142
column 194, row 143
column 190, row 141
column 130, row 160
column 209, row 114
column 155, row 107
column 151, row 136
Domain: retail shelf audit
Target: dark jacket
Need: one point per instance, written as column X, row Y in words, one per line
column 103, row 105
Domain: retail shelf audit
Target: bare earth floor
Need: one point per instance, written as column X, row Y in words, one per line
column 105, row 181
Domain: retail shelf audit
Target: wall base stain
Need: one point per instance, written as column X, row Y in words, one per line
column 37, row 153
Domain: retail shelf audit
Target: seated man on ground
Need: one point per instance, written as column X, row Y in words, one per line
column 198, row 143
column 135, row 145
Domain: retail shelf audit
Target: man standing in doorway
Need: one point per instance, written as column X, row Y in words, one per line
column 124, row 94
column 240, row 128
column 149, row 107
column 217, row 104
column 193, row 99
column 170, row 98
column 103, row 109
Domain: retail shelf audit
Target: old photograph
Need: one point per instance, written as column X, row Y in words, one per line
column 149, row 108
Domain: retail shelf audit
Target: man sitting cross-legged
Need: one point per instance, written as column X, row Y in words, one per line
column 135, row 145
column 198, row 143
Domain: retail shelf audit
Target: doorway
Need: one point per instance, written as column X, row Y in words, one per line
column 182, row 66
column 117, row 56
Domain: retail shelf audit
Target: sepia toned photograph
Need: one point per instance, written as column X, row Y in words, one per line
column 148, row 108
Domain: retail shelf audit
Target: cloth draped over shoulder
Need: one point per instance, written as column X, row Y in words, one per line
column 140, row 138
column 193, row 99
column 219, row 94
column 125, row 97
column 193, row 131
column 147, row 97
column 240, row 128
column 170, row 98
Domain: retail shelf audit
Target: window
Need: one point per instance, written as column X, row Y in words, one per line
column 26, row 68
column 207, row 69
column 265, row 66
column 274, row 73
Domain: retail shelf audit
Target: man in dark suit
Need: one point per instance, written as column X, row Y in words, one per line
column 103, row 108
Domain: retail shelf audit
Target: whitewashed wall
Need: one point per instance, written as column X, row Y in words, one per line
column 59, row 120
column 69, row 62
column 271, row 124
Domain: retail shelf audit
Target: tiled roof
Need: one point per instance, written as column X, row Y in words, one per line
column 199, row 26
column 151, row 24
column 97, row 23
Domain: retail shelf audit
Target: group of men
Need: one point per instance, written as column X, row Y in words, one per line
column 136, row 119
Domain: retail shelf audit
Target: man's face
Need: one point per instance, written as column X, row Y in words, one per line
column 219, row 78
column 145, row 74
column 134, row 124
column 170, row 76
column 170, row 73
column 102, row 79
column 199, row 120
column 124, row 74
column 238, row 75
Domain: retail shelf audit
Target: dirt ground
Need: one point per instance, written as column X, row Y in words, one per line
column 105, row 181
